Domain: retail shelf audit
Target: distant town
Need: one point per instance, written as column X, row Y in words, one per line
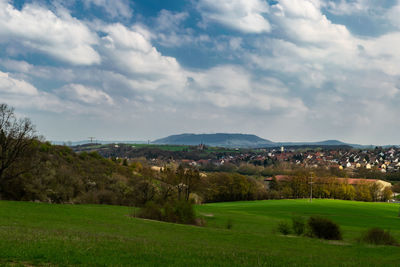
column 341, row 158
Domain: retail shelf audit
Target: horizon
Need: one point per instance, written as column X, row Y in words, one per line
column 144, row 70
column 153, row 140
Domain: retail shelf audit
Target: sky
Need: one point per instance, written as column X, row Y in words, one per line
column 285, row 70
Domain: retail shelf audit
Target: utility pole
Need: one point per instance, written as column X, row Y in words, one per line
column 91, row 139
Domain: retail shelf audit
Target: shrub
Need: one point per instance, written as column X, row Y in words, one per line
column 151, row 210
column 171, row 211
column 324, row 228
column 299, row 225
column 378, row 236
column 180, row 212
column 284, row 227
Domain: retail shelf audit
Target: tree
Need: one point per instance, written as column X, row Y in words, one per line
column 192, row 179
column 387, row 194
column 17, row 137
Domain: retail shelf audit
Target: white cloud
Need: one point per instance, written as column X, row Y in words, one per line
column 243, row 15
column 170, row 31
column 22, row 94
column 393, row 15
column 88, row 95
column 308, row 75
column 61, row 36
column 114, row 8
column 11, row 86
column 168, row 20
column 234, row 88
column 348, row 7
column 132, row 54
column 303, row 21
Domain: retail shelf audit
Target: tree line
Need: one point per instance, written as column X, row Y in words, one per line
column 299, row 187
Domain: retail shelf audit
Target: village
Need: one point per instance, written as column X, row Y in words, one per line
column 382, row 159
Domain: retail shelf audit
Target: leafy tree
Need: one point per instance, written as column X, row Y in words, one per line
column 387, row 193
column 375, row 191
column 17, row 139
column 191, row 181
column 396, row 188
column 273, row 185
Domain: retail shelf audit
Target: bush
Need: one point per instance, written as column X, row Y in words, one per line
column 324, row 228
column 299, row 225
column 378, row 236
column 151, row 210
column 284, row 227
column 179, row 212
column 172, row 211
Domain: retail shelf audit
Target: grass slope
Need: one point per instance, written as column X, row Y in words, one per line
column 38, row 233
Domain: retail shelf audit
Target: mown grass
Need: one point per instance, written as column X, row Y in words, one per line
column 46, row 234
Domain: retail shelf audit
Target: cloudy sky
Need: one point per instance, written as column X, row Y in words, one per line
column 286, row 70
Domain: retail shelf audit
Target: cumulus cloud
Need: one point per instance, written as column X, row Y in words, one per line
column 170, row 30
column 308, row 74
column 22, row 94
column 348, row 7
column 234, row 88
column 171, row 20
column 37, row 28
column 247, row 16
column 130, row 51
column 393, row 15
column 88, row 95
column 302, row 20
column 11, row 86
column 114, row 8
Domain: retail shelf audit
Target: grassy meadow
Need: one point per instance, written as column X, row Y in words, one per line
column 49, row 234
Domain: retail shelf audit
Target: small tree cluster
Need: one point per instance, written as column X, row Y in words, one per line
column 176, row 211
column 377, row 236
column 314, row 227
column 324, row 228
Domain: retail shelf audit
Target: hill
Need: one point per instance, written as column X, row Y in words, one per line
column 320, row 143
column 38, row 234
column 237, row 141
column 218, row 139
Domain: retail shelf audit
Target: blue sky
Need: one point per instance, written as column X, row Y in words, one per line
column 287, row 70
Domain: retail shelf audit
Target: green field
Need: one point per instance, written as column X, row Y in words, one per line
column 48, row 234
column 164, row 147
column 186, row 148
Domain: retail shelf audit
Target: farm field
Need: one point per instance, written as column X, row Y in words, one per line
column 49, row 234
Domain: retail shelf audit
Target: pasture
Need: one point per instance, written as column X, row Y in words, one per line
column 49, row 234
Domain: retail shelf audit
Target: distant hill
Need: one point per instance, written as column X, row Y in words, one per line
column 321, row 143
column 218, row 139
column 238, row 140
column 228, row 140
column 83, row 142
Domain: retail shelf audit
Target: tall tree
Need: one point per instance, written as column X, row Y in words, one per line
column 16, row 143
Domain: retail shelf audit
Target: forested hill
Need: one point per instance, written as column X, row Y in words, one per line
column 218, row 139
column 237, row 140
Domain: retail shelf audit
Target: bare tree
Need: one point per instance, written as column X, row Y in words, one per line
column 16, row 142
